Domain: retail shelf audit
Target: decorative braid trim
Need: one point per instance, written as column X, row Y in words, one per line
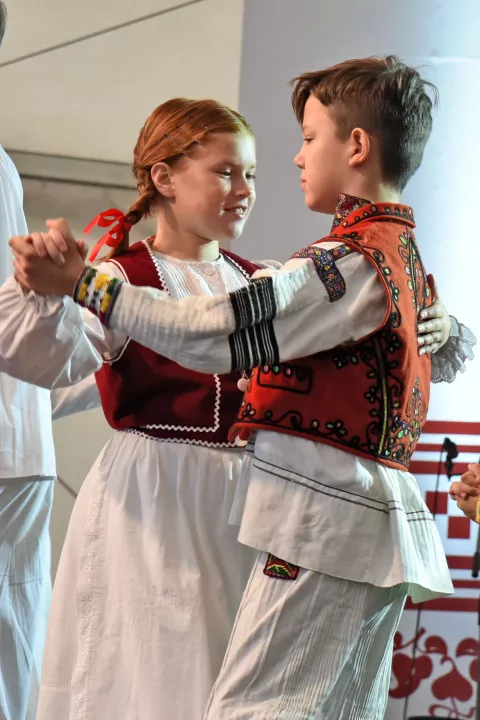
column 254, row 304
column 186, row 441
column 98, row 293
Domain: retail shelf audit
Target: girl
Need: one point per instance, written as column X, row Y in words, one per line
column 151, row 573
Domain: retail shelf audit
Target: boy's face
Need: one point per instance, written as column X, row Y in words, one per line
column 323, row 158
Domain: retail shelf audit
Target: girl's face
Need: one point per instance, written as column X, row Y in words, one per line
column 213, row 187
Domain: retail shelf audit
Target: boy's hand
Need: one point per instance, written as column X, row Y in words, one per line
column 434, row 323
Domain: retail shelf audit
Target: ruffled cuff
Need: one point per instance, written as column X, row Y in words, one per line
column 450, row 359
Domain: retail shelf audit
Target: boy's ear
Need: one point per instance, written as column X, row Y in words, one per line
column 360, row 147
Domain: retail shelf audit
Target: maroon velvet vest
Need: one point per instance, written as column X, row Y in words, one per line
column 145, row 393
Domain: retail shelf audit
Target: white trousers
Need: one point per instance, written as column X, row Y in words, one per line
column 310, row 647
column 25, row 589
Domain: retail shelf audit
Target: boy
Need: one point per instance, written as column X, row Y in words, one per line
column 342, row 531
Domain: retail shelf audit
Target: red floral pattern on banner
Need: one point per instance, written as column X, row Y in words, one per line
column 453, row 684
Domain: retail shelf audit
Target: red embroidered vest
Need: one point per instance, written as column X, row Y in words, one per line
column 369, row 398
column 146, row 393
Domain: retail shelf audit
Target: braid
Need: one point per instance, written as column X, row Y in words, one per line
column 138, row 210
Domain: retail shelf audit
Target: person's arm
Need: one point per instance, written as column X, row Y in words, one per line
column 12, row 217
column 78, row 398
column 433, row 331
column 49, row 341
column 42, row 339
column 309, row 306
column 308, row 322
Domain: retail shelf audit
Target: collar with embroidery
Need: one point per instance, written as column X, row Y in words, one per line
column 348, row 205
column 345, row 205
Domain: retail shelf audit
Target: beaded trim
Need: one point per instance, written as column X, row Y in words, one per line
column 326, row 269
column 98, row 293
column 280, row 569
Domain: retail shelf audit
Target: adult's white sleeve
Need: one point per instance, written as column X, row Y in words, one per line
column 80, row 397
column 50, row 341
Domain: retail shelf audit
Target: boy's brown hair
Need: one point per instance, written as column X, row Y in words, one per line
column 385, row 97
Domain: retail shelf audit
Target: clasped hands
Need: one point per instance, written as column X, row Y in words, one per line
column 49, row 263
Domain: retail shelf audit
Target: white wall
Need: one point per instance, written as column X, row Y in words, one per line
column 91, row 99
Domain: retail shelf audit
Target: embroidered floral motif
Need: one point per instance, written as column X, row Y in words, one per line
column 345, row 217
column 345, row 205
column 417, row 283
column 247, row 411
column 292, row 378
column 280, row 569
column 337, row 428
column 405, row 433
column 341, row 251
column 326, row 269
column 371, row 394
column 341, row 358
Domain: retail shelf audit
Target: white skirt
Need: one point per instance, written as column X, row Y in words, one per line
column 148, row 586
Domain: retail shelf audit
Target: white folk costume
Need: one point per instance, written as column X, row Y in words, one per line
column 27, row 473
column 151, row 573
column 314, row 632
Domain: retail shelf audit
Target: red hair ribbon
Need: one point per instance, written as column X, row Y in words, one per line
column 113, row 237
